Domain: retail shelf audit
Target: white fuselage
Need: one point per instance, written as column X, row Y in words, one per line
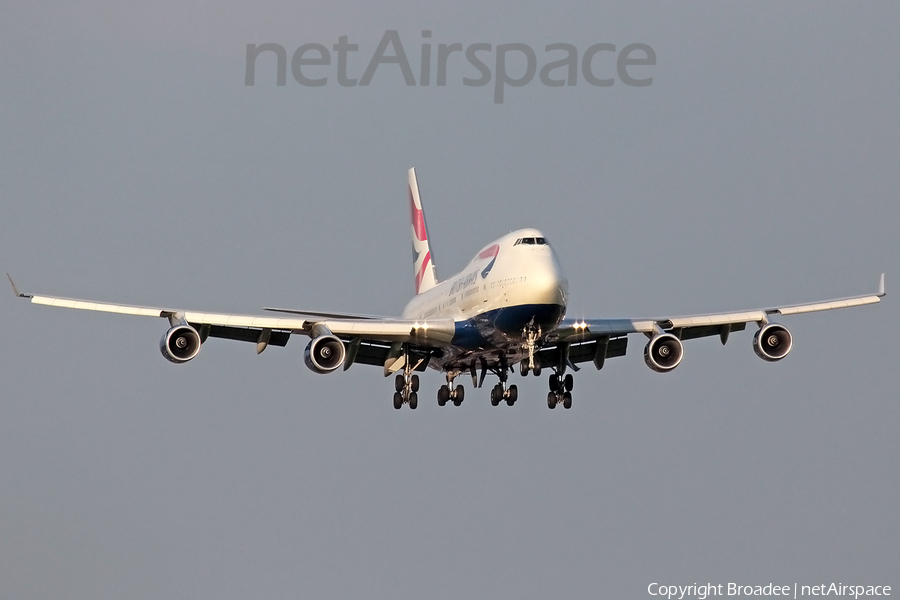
column 511, row 282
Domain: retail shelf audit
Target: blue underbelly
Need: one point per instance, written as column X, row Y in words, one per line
column 497, row 326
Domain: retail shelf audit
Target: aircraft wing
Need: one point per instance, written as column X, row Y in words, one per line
column 582, row 340
column 370, row 340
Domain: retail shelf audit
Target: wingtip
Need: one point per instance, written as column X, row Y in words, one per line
column 881, row 291
column 15, row 289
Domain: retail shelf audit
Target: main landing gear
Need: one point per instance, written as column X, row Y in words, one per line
column 560, row 391
column 501, row 392
column 446, row 392
column 406, row 385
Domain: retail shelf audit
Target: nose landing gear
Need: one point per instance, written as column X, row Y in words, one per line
column 530, row 336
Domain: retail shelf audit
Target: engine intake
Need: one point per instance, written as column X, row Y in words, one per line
column 324, row 354
column 663, row 353
column 180, row 344
column 772, row 342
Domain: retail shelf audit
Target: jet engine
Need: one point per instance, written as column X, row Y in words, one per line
column 324, row 354
column 180, row 344
column 772, row 342
column 663, row 353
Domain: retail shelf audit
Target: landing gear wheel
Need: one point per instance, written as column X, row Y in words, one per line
column 413, row 400
column 554, row 383
column 414, row 383
column 551, row 400
column 443, row 394
column 512, row 394
column 460, row 395
column 537, row 370
column 569, row 382
column 399, row 383
column 496, row 395
column 523, row 368
column 567, row 400
column 398, row 400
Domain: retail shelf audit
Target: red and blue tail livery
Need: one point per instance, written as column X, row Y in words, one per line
column 423, row 265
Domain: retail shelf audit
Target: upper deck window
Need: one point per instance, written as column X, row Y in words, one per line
column 531, row 241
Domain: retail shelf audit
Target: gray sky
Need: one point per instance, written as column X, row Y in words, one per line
column 760, row 167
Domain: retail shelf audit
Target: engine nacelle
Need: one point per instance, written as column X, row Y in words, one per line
column 663, row 353
column 324, row 354
column 772, row 342
column 180, row 344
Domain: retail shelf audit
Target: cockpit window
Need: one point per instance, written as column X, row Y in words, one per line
column 531, row 241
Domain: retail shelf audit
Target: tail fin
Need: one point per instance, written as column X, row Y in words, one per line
column 423, row 264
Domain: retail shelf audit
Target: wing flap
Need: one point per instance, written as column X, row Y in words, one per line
column 241, row 334
column 700, row 331
column 550, row 356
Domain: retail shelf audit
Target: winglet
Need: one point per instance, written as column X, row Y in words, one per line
column 15, row 289
column 881, row 291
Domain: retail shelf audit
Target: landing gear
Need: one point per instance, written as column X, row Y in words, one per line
column 524, row 369
column 447, row 392
column 560, row 391
column 496, row 394
column 530, row 336
column 500, row 392
column 512, row 394
column 406, row 384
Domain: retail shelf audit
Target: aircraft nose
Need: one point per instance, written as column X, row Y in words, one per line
column 547, row 283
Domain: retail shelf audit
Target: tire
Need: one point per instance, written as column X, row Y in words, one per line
column 512, row 395
column 413, row 400
column 460, row 395
column 443, row 394
column 537, row 370
column 414, row 383
column 569, row 382
column 398, row 400
column 495, row 396
column 398, row 383
column 554, row 383
column 523, row 368
column 551, row 400
column 567, row 400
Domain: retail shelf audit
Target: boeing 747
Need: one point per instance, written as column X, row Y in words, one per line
column 505, row 310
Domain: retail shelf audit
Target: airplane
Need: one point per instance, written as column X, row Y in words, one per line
column 506, row 308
